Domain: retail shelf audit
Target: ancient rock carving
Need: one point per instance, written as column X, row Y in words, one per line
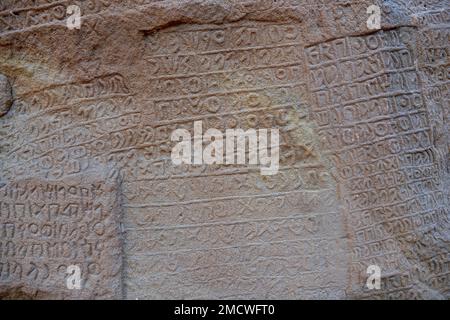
column 87, row 181
column 48, row 226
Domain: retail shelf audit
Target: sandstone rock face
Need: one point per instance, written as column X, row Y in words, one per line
column 86, row 175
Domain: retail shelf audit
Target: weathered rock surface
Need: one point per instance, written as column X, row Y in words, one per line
column 86, row 177
column 5, row 95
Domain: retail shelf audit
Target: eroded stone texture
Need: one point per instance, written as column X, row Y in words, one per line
column 364, row 168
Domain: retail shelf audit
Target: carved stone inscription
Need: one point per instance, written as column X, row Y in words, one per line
column 373, row 121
